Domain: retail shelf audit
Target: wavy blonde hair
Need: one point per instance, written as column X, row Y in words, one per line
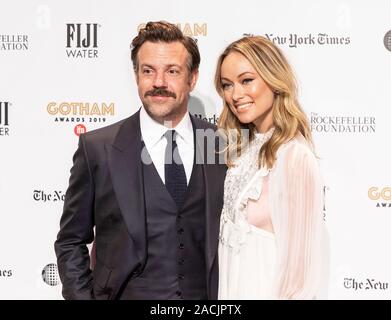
column 288, row 117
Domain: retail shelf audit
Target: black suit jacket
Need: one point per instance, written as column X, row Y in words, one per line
column 106, row 192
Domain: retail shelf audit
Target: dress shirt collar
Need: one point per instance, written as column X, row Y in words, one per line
column 152, row 131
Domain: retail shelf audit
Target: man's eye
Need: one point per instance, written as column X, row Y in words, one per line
column 173, row 71
column 147, row 71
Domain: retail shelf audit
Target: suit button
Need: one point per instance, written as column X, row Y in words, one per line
column 180, row 231
column 181, row 262
column 181, row 246
column 181, row 276
column 178, row 293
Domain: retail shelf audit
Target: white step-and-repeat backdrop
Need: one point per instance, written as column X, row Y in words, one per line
column 65, row 69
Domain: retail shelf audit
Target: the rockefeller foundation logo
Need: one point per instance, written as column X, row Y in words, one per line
column 342, row 124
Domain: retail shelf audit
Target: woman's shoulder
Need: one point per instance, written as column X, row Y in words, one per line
column 298, row 143
column 297, row 148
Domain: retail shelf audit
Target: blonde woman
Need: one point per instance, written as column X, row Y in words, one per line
column 272, row 235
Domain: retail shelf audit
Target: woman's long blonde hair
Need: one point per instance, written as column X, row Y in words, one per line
column 288, row 117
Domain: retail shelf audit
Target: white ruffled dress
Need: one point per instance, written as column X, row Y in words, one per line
column 290, row 262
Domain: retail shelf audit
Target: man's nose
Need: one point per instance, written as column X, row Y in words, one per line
column 160, row 80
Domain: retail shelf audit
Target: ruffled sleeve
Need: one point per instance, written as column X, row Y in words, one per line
column 297, row 202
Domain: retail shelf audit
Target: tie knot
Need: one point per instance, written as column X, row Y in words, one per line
column 170, row 135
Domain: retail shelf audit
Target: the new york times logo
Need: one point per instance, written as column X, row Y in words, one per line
column 366, row 284
column 213, row 120
column 82, row 40
column 4, row 118
column 43, row 196
column 5, row 273
column 294, row 40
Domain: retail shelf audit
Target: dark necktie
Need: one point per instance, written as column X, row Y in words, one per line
column 174, row 172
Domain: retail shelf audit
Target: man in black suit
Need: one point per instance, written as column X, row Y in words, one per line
column 146, row 186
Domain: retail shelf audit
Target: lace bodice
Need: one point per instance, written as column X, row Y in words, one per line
column 241, row 179
column 243, row 182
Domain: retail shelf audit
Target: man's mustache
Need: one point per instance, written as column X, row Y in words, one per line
column 160, row 92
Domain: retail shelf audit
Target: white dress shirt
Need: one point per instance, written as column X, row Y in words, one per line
column 153, row 132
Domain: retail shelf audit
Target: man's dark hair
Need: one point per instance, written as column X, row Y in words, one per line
column 162, row 31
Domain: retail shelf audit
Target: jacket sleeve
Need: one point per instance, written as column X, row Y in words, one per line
column 76, row 229
column 299, row 226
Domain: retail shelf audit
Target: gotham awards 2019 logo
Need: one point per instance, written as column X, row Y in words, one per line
column 381, row 196
column 78, row 114
column 82, row 40
column 188, row 29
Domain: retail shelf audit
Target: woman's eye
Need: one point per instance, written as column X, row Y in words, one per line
column 225, row 86
column 247, row 81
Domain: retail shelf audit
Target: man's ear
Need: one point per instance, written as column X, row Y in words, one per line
column 193, row 79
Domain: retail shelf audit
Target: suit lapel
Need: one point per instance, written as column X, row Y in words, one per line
column 124, row 158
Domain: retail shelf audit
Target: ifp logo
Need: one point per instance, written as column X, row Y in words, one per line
column 79, row 129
